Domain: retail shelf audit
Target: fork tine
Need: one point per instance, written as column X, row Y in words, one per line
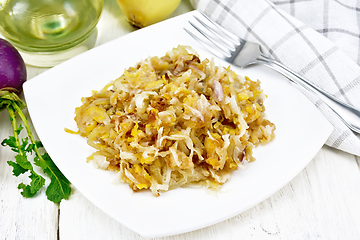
column 219, row 36
column 215, row 42
column 221, row 31
column 210, row 48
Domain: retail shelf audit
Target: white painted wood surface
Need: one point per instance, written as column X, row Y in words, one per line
column 322, row 202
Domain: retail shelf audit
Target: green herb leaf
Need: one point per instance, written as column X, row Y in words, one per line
column 59, row 188
column 23, row 162
column 26, row 190
column 17, row 169
column 37, row 182
column 11, row 142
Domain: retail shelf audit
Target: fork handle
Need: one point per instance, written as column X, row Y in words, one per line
column 347, row 113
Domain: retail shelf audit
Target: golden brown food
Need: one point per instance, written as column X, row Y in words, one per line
column 175, row 121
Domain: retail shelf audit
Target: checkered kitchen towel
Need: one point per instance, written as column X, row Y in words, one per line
column 318, row 39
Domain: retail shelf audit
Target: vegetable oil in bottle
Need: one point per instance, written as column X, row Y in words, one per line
column 48, row 26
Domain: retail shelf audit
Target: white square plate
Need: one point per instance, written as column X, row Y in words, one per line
column 53, row 96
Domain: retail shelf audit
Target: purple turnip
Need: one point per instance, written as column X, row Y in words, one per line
column 12, row 68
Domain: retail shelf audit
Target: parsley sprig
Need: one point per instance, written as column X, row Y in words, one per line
column 59, row 187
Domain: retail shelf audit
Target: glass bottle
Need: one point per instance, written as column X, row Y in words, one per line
column 47, row 32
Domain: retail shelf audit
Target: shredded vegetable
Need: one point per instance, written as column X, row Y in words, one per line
column 175, row 121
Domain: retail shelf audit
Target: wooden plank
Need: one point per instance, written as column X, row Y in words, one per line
column 80, row 219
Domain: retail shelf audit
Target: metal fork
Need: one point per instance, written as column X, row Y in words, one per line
column 242, row 53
